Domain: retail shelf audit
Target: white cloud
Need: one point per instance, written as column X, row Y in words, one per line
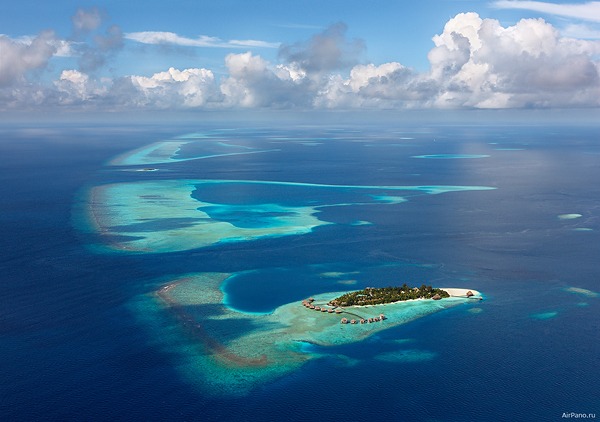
column 63, row 48
column 589, row 11
column 253, row 82
column 324, row 52
column 527, row 64
column 479, row 63
column 87, row 20
column 94, row 55
column 251, row 43
column 171, row 38
column 364, row 75
column 383, row 86
column 19, row 57
column 475, row 63
column 581, row 31
column 75, row 87
column 171, row 89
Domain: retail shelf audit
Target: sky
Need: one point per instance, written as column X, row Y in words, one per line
column 301, row 55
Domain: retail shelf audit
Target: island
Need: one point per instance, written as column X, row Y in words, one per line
column 356, row 303
column 229, row 351
column 382, row 295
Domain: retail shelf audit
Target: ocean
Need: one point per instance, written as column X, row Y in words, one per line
column 238, row 221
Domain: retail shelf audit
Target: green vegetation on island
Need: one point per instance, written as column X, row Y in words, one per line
column 381, row 295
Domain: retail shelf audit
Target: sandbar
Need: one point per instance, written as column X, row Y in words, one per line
column 569, row 216
column 581, row 291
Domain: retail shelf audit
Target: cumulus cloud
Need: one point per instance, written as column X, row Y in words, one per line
column 253, row 82
column 589, row 11
column 63, row 48
column 474, row 63
column 92, row 47
column 77, row 88
column 384, row 86
column 326, row 51
column 19, row 57
column 95, row 54
column 479, row 63
column 170, row 89
column 171, row 38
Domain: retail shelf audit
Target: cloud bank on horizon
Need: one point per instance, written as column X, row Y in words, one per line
column 475, row 62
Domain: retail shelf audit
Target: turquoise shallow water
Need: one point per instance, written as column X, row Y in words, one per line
column 166, row 152
column 175, row 215
column 84, row 332
column 234, row 364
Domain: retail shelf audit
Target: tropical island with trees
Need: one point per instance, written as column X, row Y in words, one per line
column 382, row 295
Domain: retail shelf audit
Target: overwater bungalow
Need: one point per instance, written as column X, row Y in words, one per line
column 338, row 311
column 344, row 321
column 317, row 308
column 352, row 321
column 382, row 317
column 362, row 320
column 330, row 310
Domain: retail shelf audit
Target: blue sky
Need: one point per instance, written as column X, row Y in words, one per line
column 231, row 54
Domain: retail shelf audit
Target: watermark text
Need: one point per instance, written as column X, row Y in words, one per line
column 575, row 415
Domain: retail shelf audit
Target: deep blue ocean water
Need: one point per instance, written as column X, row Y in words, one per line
column 72, row 349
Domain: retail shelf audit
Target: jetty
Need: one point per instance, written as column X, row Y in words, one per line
column 337, row 310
